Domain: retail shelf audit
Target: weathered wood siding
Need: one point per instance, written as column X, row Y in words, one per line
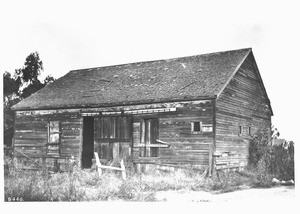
column 30, row 136
column 242, row 103
column 186, row 147
column 175, row 128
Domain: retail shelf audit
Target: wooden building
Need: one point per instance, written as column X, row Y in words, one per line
column 198, row 110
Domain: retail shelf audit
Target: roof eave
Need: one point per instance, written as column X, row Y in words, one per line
column 104, row 105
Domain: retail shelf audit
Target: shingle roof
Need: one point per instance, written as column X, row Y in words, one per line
column 172, row 79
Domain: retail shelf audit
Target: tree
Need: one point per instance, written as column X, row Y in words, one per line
column 32, row 69
column 29, row 74
column 24, row 83
column 274, row 133
column 11, row 86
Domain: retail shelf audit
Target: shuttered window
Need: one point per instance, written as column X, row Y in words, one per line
column 113, row 128
column 53, row 145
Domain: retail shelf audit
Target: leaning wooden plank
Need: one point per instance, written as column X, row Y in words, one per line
column 98, row 163
column 160, row 141
column 123, row 170
column 111, row 167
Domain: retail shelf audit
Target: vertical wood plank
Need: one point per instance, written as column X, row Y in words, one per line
column 148, row 136
column 101, row 123
column 116, row 150
column 112, row 127
column 81, row 144
column 212, row 145
column 138, row 168
column 98, row 164
column 123, row 170
column 154, row 137
column 142, row 138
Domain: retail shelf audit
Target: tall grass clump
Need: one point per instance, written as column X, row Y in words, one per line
column 41, row 185
column 85, row 185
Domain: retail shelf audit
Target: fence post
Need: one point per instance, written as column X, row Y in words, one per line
column 123, row 170
column 98, row 164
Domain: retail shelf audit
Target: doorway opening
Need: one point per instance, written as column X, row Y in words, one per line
column 88, row 142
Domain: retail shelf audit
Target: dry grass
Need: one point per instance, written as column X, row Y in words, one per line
column 86, row 185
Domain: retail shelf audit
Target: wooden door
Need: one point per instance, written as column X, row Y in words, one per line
column 149, row 136
column 113, row 137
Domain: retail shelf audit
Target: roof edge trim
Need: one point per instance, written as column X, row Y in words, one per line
column 106, row 105
column 236, row 70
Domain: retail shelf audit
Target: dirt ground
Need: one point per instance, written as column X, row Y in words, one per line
column 281, row 192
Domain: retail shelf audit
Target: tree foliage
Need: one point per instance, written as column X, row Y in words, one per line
column 275, row 133
column 33, row 67
column 271, row 160
column 11, row 86
column 24, row 83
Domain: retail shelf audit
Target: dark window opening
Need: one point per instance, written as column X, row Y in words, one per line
column 240, row 130
column 196, row 126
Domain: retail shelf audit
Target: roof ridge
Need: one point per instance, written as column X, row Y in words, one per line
column 159, row 60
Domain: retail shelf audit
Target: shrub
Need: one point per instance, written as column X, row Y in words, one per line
column 283, row 158
column 263, row 177
column 259, row 146
column 270, row 161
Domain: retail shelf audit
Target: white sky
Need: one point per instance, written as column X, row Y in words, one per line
column 80, row 34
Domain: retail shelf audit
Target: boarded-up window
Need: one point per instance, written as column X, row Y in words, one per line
column 113, row 128
column 53, row 146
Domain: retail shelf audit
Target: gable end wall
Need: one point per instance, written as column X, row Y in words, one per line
column 242, row 103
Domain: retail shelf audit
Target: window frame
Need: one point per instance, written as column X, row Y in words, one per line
column 244, row 130
column 149, row 152
column 49, row 143
column 108, row 137
column 193, row 131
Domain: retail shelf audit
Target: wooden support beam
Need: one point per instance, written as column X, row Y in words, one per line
column 141, row 145
column 123, row 170
column 98, row 163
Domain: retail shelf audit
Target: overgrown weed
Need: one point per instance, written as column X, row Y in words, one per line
column 85, row 185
